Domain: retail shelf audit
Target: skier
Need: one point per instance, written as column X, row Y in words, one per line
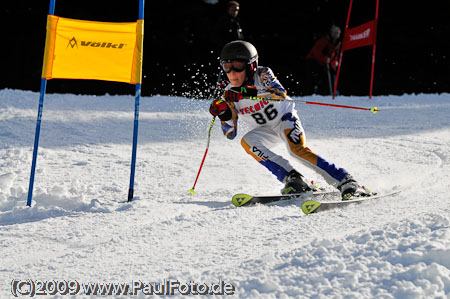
column 271, row 123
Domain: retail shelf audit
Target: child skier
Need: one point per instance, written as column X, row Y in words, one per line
column 271, row 122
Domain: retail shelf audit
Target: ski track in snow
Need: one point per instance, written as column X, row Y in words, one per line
column 80, row 226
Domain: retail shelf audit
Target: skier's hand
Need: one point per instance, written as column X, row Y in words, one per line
column 221, row 109
column 234, row 94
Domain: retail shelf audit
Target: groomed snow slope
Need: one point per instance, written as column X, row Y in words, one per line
column 81, row 228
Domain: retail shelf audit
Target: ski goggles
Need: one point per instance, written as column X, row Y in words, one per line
column 237, row 66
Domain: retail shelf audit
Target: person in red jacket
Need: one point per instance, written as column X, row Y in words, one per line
column 322, row 61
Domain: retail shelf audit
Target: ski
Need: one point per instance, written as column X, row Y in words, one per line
column 241, row 200
column 314, row 206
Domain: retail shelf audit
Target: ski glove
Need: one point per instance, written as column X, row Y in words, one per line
column 234, row 94
column 220, row 108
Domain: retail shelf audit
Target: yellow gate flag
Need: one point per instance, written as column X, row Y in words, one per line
column 78, row 49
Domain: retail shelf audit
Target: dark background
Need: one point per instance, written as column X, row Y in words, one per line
column 412, row 53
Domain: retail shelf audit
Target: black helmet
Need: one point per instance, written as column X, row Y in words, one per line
column 240, row 50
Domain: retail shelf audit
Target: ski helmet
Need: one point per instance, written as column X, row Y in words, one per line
column 240, row 50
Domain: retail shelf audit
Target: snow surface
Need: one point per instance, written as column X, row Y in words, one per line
column 80, row 226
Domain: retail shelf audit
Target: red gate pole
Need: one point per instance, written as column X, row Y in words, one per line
column 342, row 49
column 373, row 51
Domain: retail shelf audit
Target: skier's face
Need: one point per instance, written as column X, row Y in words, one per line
column 237, row 79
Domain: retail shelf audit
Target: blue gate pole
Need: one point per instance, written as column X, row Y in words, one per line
column 136, row 121
column 51, row 11
column 36, row 140
column 135, row 137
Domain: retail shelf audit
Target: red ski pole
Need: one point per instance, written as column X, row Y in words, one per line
column 218, row 85
column 373, row 109
column 204, row 156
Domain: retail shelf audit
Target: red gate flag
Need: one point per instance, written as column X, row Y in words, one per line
column 360, row 36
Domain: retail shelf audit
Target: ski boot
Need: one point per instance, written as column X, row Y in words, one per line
column 349, row 188
column 294, row 184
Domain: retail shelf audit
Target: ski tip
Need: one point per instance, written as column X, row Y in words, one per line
column 310, row 206
column 240, row 200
